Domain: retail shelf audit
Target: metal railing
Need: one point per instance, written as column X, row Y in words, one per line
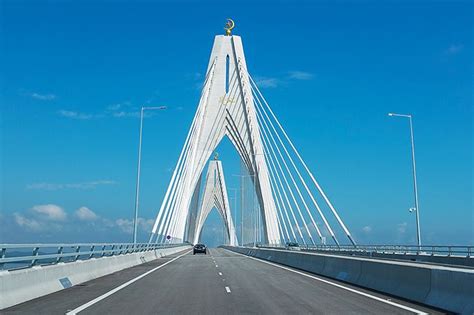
column 15, row 256
column 430, row 250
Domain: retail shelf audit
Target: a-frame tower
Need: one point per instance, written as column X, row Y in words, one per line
column 214, row 196
column 226, row 108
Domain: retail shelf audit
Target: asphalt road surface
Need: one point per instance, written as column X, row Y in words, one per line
column 221, row 282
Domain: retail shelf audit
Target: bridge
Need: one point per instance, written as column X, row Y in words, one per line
column 302, row 257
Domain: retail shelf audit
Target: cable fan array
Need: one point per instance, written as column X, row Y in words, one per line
column 301, row 204
column 169, row 220
column 293, row 196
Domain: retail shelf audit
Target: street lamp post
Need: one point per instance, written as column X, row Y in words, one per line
column 137, row 189
column 415, row 187
column 242, row 203
column 241, row 209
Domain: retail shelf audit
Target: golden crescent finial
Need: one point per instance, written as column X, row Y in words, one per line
column 229, row 26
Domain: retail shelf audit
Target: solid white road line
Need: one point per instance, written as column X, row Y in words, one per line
column 370, row 296
column 227, row 289
column 126, row 284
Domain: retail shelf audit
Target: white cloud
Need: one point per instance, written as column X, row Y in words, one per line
column 85, row 214
column 300, row 75
column 51, row 212
column 146, row 225
column 43, row 97
column 127, row 225
column 30, row 224
column 45, row 186
column 136, row 113
column 265, row 82
column 122, row 114
column 270, row 82
column 89, row 185
column 53, row 218
column 367, row 229
column 454, row 49
column 75, row 115
column 122, row 110
column 118, row 110
column 114, row 107
column 55, row 186
column 402, row 227
column 108, row 223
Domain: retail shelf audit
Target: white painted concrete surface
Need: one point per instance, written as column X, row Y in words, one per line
column 226, row 109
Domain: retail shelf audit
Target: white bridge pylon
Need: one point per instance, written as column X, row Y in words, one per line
column 226, row 108
column 232, row 105
column 214, row 196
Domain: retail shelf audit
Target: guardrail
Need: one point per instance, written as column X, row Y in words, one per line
column 14, row 256
column 430, row 250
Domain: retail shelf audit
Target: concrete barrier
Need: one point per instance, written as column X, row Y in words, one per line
column 442, row 260
column 452, row 290
column 404, row 280
column 18, row 286
column 448, row 288
column 344, row 270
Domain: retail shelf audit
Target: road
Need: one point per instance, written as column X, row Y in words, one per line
column 221, row 282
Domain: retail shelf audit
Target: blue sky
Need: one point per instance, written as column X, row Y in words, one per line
column 73, row 75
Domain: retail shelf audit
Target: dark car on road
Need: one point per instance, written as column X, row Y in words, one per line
column 199, row 248
column 292, row 246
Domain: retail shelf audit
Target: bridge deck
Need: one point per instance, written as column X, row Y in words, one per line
column 221, row 282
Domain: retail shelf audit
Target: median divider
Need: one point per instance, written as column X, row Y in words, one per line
column 406, row 280
column 447, row 288
column 341, row 269
column 18, row 286
column 452, row 290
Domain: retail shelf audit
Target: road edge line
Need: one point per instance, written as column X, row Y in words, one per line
column 120, row 287
column 336, row 285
